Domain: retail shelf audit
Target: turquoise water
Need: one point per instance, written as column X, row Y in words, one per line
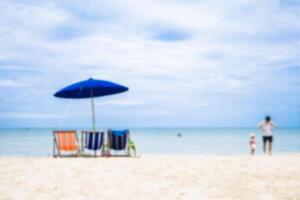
column 199, row 141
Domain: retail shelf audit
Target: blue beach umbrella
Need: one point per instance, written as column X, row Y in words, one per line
column 89, row 89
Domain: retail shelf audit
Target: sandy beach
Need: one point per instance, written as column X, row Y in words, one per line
column 151, row 177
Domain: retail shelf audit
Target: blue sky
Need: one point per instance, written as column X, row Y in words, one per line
column 187, row 63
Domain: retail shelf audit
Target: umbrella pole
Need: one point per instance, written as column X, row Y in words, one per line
column 93, row 111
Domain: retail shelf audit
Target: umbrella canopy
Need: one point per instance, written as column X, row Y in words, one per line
column 89, row 89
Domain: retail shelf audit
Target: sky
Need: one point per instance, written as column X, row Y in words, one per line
column 187, row 63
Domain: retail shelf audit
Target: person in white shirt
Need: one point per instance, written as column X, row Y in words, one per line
column 266, row 126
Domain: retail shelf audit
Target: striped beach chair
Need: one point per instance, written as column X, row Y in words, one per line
column 92, row 141
column 118, row 141
column 65, row 142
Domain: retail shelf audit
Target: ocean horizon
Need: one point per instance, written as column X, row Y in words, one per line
column 31, row 142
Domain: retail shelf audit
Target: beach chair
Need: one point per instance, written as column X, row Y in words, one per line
column 65, row 142
column 92, row 141
column 118, row 141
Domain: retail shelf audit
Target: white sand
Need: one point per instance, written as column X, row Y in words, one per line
column 151, row 177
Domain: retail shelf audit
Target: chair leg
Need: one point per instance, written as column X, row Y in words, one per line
column 128, row 152
column 128, row 145
column 58, row 153
column 82, row 142
column 102, row 150
column 78, row 152
column 128, row 149
column 53, row 154
column 108, row 154
column 54, row 149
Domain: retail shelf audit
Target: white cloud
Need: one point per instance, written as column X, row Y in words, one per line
column 29, row 115
column 234, row 83
column 10, row 84
column 231, row 47
column 120, row 102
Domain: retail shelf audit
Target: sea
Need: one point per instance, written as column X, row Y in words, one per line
column 37, row 142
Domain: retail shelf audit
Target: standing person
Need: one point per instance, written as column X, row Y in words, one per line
column 252, row 144
column 266, row 126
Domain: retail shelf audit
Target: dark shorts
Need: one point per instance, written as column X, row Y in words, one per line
column 267, row 138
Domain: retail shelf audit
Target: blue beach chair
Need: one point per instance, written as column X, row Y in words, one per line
column 92, row 141
column 118, row 141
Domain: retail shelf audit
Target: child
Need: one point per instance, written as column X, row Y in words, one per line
column 252, row 144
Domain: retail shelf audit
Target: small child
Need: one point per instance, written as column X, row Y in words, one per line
column 252, row 143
